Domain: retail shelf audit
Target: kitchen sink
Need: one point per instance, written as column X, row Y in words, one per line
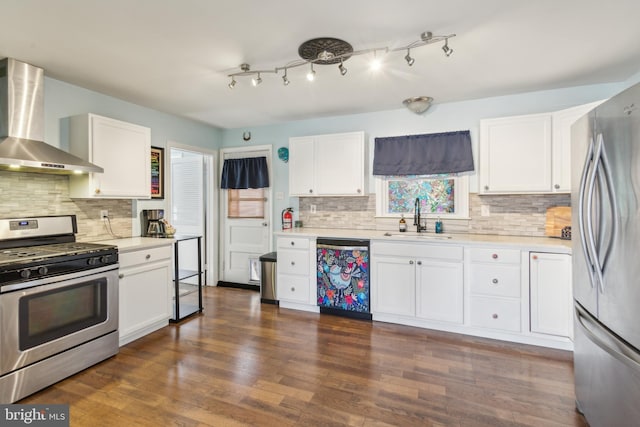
column 421, row 236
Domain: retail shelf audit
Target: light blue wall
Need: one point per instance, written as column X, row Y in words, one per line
column 440, row 118
column 62, row 100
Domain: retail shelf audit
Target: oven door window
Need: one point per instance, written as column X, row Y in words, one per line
column 53, row 314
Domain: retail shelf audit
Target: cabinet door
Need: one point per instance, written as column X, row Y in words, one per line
column 124, row 151
column 551, row 305
column 515, row 154
column 439, row 290
column 301, row 169
column 562, row 122
column 144, row 298
column 339, row 164
column 393, row 286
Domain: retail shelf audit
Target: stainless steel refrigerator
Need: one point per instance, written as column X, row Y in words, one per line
column 605, row 197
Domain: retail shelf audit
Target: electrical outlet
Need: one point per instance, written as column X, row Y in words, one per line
column 484, row 210
column 312, row 208
column 104, row 214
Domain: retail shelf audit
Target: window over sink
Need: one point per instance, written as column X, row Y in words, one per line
column 446, row 196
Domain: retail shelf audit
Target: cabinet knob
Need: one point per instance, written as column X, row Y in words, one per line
column 293, row 289
column 120, row 276
column 557, row 186
column 264, row 224
column 359, row 191
column 494, row 281
column 310, row 191
column 411, row 262
column 494, row 315
column 419, row 262
column 293, row 243
column 293, row 263
column 97, row 191
column 494, row 256
column 486, row 187
column 148, row 256
column 534, row 257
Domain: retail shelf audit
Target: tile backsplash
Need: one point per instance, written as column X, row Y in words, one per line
column 515, row 215
column 37, row 194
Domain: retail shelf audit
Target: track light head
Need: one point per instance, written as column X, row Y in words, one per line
column 232, row 84
column 285, row 80
column 311, row 75
column 342, row 68
column 256, row 81
column 409, row 59
column 447, row 50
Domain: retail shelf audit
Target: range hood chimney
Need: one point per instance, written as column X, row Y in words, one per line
column 22, row 148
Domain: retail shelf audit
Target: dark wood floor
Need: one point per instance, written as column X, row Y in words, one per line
column 243, row 363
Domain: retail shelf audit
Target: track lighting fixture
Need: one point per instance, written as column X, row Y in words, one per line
column 328, row 50
column 447, row 50
column 342, row 68
column 409, row 59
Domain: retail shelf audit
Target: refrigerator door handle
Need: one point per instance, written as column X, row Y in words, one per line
column 596, row 271
column 611, row 196
column 605, row 339
column 587, row 168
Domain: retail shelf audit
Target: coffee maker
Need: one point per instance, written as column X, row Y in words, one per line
column 152, row 225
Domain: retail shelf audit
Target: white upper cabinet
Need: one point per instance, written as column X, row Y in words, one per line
column 528, row 154
column 515, row 154
column 122, row 149
column 561, row 156
column 327, row 165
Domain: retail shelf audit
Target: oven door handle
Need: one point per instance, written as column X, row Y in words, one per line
column 49, row 280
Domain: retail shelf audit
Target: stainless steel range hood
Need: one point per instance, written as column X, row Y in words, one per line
column 22, row 148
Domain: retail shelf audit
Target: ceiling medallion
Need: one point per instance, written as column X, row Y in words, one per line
column 325, row 50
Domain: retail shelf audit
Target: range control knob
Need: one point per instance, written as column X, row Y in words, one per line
column 105, row 259
column 93, row 260
column 25, row 274
column 43, row 270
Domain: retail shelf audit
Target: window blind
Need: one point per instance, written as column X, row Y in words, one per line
column 426, row 154
column 251, row 172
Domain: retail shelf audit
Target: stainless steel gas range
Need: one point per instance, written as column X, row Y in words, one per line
column 58, row 303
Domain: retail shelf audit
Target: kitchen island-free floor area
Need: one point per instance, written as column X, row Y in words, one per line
column 243, row 363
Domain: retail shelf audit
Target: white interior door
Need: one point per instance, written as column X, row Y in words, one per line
column 246, row 224
column 191, row 205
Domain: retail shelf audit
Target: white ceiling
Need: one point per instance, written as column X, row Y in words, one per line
column 175, row 55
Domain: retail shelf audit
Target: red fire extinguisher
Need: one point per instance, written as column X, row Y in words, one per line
column 287, row 219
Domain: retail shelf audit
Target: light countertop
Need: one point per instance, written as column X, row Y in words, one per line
column 129, row 244
column 523, row 242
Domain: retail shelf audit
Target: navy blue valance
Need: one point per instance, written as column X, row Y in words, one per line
column 245, row 173
column 427, row 154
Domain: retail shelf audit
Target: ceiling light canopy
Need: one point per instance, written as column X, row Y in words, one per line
column 418, row 104
column 329, row 50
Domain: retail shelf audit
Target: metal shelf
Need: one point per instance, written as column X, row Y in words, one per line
column 182, row 311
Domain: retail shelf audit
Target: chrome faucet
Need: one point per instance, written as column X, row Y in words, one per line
column 416, row 217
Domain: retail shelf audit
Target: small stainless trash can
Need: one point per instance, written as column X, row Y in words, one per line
column 268, row 274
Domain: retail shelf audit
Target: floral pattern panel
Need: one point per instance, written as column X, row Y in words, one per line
column 343, row 279
column 436, row 195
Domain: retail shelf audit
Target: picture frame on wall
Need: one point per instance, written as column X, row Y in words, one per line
column 157, row 173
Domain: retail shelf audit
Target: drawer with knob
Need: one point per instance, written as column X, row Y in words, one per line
column 495, row 256
column 293, row 288
column 293, row 262
column 495, row 313
column 496, row 280
column 143, row 256
column 293, row 243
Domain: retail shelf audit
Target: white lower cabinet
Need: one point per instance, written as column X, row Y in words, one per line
column 551, row 296
column 417, row 280
column 495, row 289
column 296, row 271
column 144, row 292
